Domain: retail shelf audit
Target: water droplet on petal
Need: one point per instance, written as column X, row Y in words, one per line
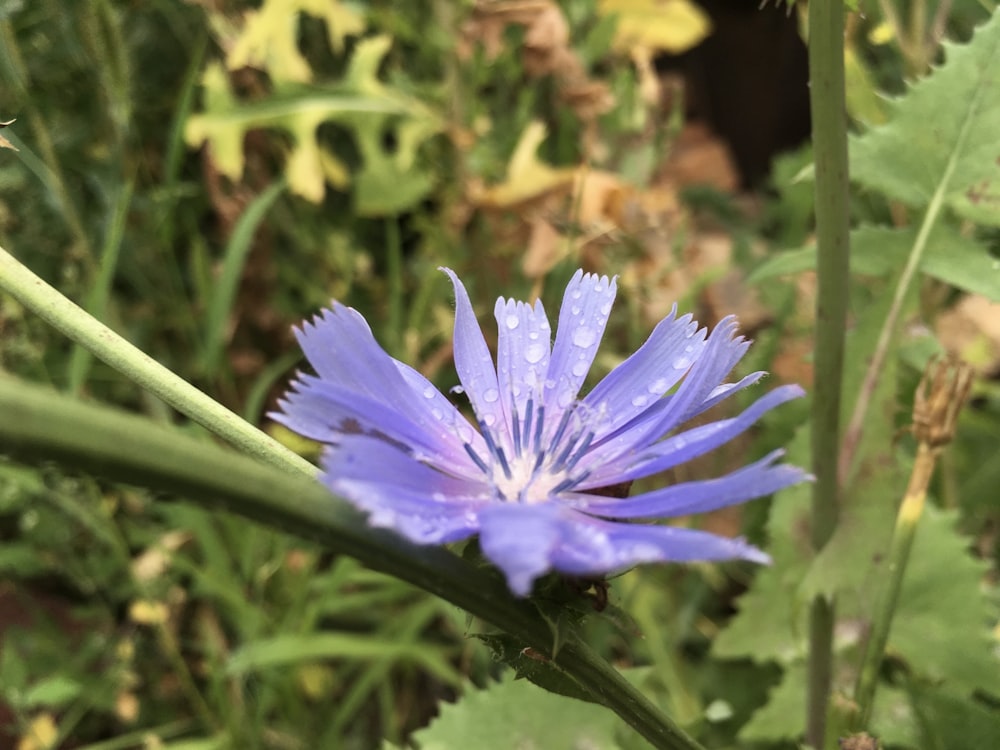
column 429, row 392
column 606, row 308
column 575, row 309
column 682, row 363
column 490, row 419
column 490, row 396
column 584, row 337
column 576, row 294
column 533, row 335
column 512, row 321
column 598, row 286
column 640, row 400
column 580, row 369
column 438, row 414
column 534, row 353
column 658, row 386
column 565, row 399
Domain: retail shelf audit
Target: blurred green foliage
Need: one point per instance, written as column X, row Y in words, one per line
column 204, row 174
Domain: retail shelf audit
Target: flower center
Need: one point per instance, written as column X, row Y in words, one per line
column 534, row 463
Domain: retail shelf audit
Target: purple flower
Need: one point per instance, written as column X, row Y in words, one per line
column 526, row 475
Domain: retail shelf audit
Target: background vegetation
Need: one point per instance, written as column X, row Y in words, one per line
column 202, row 175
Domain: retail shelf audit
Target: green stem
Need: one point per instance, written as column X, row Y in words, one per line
column 42, row 426
column 139, row 367
column 828, row 108
column 910, row 511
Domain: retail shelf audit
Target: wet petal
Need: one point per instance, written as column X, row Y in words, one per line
column 527, row 541
column 326, row 412
column 341, row 348
column 678, row 449
column 582, row 320
column 721, row 352
column 656, row 367
column 473, row 361
column 523, row 352
column 399, row 493
column 753, row 481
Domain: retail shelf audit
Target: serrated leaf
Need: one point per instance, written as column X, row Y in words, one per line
column 517, row 714
column 953, row 722
column 877, row 251
column 940, row 626
column 942, row 135
column 269, row 39
column 770, row 624
column 783, row 717
column 388, row 181
column 534, row 667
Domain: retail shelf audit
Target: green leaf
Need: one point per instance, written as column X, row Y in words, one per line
column 517, row 714
column 770, row 625
column 284, row 650
column 533, row 666
column 388, row 180
column 52, row 692
column 940, row 627
column 784, row 715
column 942, row 136
column 952, row 722
column 878, row 251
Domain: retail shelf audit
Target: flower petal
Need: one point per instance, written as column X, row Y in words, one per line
column 327, row 412
column 473, row 361
column 527, row 541
column 756, row 480
column 582, row 320
column 649, row 373
column 721, row 352
column 341, row 348
column 684, row 446
column 523, row 352
column 399, row 493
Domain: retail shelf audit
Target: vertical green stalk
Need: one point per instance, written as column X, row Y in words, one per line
column 829, row 135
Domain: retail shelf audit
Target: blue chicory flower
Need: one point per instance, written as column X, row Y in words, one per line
column 526, row 477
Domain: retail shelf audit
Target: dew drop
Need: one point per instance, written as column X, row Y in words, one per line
column 640, row 400
column 580, row 369
column 575, row 309
column 598, row 287
column 429, row 392
column 534, row 353
column 490, row 396
column 489, row 419
column 576, row 294
column 512, row 321
column 565, row 399
column 438, row 414
column 533, row 335
column 658, row 386
column 584, row 337
column 682, row 363
column 606, row 308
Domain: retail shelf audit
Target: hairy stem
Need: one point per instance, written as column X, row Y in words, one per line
column 105, row 344
column 829, row 118
column 43, row 426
